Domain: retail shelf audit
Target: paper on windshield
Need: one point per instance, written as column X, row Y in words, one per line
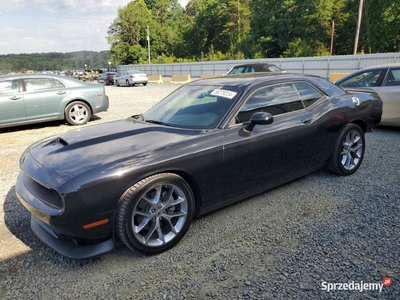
column 224, row 93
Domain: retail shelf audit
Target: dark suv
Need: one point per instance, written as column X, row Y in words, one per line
column 254, row 67
column 108, row 77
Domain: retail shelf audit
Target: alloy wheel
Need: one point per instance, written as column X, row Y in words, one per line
column 159, row 215
column 352, row 150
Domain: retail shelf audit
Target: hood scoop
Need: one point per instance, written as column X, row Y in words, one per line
column 55, row 142
column 62, row 142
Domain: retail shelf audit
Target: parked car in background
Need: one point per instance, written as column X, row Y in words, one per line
column 209, row 144
column 107, row 78
column 385, row 81
column 131, row 78
column 254, row 68
column 35, row 98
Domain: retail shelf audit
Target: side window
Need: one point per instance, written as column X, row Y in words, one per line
column 308, row 94
column 392, row 78
column 363, row 79
column 9, row 86
column 277, row 99
column 58, row 84
column 37, row 84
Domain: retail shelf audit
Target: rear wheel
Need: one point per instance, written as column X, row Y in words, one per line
column 155, row 213
column 349, row 151
column 144, row 84
column 77, row 113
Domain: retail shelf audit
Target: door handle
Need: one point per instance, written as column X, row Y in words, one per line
column 307, row 120
column 61, row 93
column 15, row 98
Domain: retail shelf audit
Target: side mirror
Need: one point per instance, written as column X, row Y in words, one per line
column 259, row 118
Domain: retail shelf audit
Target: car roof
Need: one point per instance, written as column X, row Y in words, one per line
column 26, row 75
column 135, row 71
column 253, row 78
column 248, row 80
column 381, row 66
column 255, row 64
column 69, row 81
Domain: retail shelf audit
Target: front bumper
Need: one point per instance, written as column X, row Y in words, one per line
column 65, row 234
column 69, row 248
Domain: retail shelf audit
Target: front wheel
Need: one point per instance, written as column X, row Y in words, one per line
column 349, row 151
column 77, row 113
column 155, row 213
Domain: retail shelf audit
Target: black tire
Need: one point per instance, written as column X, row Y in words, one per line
column 77, row 113
column 133, row 84
column 155, row 213
column 349, row 151
column 144, row 84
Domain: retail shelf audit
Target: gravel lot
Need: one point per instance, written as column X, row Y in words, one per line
column 279, row 245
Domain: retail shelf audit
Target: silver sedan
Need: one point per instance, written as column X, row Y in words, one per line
column 385, row 81
column 36, row 98
column 131, row 78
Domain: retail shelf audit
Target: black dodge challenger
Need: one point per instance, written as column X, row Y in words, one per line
column 212, row 142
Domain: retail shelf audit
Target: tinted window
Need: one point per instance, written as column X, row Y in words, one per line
column 392, row 78
column 276, row 100
column 308, row 94
column 243, row 69
column 363, row 79
column 9, row 86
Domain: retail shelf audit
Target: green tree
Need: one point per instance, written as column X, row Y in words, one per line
column 128, row 31
column 380, row 31
column 216, row 25
column 294, row 27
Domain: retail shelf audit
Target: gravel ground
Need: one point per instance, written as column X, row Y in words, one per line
column 279, row 245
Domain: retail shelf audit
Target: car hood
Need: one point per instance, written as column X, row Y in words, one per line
column 101, row 146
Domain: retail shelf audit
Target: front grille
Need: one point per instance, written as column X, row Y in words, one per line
column 48, row 196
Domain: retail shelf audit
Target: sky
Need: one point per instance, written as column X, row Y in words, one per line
column 36, row 26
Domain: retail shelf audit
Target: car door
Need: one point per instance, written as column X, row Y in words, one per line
column 124, row 78
column 269, row 154
column 43, row 97
column 389, row 92
column 11, row 102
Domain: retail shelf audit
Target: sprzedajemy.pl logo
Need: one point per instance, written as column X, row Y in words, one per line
column 356, row 286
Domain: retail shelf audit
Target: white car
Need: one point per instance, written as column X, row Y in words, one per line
column 130, row 78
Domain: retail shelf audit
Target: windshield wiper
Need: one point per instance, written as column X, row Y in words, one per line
column 157, row 122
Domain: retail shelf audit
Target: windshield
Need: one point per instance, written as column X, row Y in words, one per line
column 193, row 106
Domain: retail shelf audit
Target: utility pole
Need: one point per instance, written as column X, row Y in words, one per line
column 238, row 7
column 332, row 35
column 360, row 8
column 148, row 42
